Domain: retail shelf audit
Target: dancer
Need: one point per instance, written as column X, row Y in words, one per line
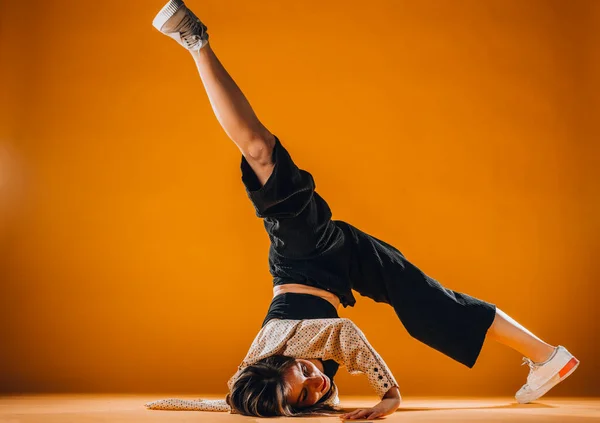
column 316, row 263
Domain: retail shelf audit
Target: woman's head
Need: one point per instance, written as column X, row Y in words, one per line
column 281, row 386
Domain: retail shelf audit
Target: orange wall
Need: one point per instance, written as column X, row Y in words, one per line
column 465, row 133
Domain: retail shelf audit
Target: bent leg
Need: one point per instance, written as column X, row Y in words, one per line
column 451, row 322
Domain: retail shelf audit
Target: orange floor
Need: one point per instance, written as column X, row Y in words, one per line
column 130, row 408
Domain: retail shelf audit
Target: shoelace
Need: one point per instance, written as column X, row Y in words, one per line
column 529, row 362
column 189, row 31
column 532, row 367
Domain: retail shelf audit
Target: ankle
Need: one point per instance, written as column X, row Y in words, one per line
column 198, row 54
column 544, row 355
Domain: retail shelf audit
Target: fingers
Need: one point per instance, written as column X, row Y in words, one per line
column 352, row 414
column 374, row 415
column 362, row 413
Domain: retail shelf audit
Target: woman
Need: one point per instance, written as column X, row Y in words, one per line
column 316, row 262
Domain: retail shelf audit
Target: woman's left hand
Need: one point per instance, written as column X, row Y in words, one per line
column 385, row 407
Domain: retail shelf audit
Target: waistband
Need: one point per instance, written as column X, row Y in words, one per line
column 294, row 306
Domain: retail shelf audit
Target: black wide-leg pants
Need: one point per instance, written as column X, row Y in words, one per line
column 310, row 248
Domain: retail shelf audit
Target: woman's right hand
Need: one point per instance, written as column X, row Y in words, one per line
column 388, row 405
column 385, row 407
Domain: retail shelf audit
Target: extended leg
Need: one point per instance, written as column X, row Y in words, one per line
column 235, row 114
column 229, row 104
column 299, row 221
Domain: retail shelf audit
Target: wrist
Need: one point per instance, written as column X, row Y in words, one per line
column 390, row 405
column 392, row 393
column 392, row 401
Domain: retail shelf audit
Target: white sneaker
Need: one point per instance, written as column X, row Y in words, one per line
column 179, row 23
column 544, row 376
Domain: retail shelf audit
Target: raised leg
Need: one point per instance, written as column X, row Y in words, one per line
column 509, row 332
column 229, row 104
column 235, row 114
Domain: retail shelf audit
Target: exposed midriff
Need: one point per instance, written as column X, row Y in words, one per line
column 305, row 289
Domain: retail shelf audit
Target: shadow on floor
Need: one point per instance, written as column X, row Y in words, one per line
column 512, row 405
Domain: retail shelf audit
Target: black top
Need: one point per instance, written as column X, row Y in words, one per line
column 295, row 306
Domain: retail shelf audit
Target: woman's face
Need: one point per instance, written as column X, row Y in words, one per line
column 308, row 384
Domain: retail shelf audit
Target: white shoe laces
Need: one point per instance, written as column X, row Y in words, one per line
column 532, row 365
column 532, row 368
column 191, row 31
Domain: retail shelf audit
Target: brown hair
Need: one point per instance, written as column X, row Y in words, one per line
column 260, row 391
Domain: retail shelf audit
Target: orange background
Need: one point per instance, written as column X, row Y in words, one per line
column 465, row 133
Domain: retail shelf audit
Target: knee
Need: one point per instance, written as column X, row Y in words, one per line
column 260, row 149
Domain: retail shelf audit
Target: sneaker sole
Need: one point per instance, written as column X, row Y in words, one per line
column 166, row 13
column 562, row 374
